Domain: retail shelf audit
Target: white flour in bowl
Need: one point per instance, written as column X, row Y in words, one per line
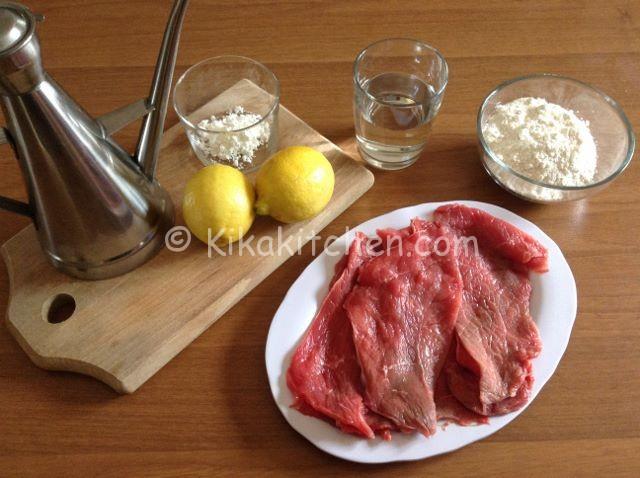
column 542, row 141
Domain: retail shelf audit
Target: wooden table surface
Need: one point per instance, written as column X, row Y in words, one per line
column 209, row 411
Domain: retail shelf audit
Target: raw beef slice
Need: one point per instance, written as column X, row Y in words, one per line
column 448, row 407
column 403, row 311
column 324, row 375
column 496, row 338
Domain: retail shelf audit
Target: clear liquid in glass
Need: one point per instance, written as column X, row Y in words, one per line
column 393, row 114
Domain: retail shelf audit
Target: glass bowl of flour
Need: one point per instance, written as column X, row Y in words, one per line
column 548, row 138
column 228, row 106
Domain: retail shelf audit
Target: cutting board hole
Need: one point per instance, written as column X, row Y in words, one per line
column 62, row 307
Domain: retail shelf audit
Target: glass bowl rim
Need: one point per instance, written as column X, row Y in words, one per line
column 239, row 58
column 440, row 56
column 607, row 99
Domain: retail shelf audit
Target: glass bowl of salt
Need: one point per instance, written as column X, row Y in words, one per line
column 548, row 138
column 228, row 106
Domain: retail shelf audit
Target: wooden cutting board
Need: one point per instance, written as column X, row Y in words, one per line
column 123, row 330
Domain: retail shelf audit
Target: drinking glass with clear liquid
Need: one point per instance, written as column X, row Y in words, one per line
column 399, row 85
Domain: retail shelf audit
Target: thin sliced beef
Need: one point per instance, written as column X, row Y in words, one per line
column 496, row 338
column 448, row 407
column 389, row 238
column 409, row 335
column 324, row 375
column 495, row 235
column 403, row 311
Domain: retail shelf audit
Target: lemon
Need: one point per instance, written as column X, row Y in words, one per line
column 294, row 184
column 219, row 199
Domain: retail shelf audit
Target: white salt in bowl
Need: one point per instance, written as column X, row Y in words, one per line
column 228, row 106
column 611, row 130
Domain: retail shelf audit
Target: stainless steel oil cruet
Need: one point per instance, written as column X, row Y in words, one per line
column 98, row 211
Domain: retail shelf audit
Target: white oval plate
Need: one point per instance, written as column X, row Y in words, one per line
column 553, row 307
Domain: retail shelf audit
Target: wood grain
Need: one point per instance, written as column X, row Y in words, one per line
column 209, row 411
